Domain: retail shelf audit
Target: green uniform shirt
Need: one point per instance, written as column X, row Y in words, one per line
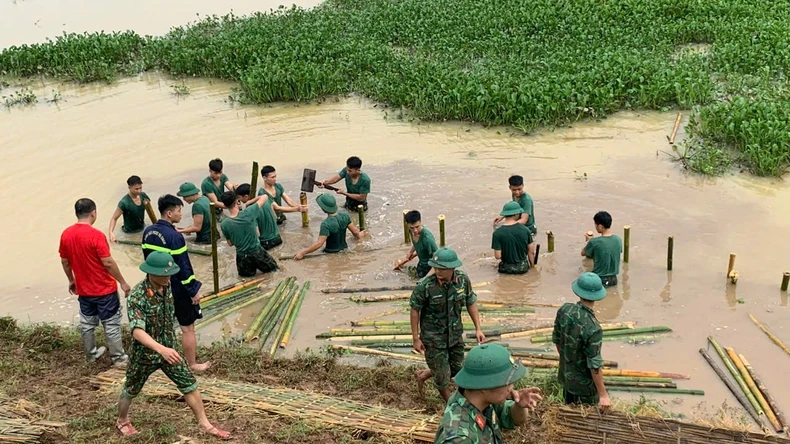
column 605, row 252
column 440, row 308
column 578, row 335
column 334, row 228
column 208, row 186
column 361, row 187
column 154, row 314
column 460, row 423
column 133, row 214
column 267, row 223
column 525, row 202
column 512, row 241
column 278, row 195
column 241, row 230
column 202, row 207
column 425, row 247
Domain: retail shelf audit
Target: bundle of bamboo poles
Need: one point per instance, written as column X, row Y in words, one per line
column 578, row 425
column 631, row 383
column 231, row 290
column 308, row 406
column 220, row 313
column 277, row 318
column 614, row 333
column 18, row 424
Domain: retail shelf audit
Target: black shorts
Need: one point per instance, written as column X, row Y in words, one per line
column 186, row 312
column 353, row 205
column 609, row 281
column 247, row 264
column 269, row 244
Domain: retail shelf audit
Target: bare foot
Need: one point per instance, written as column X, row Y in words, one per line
column 200, row 367
column 420, row 382
column 218, row 433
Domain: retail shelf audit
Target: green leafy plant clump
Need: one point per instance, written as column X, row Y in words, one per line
column 497, row 62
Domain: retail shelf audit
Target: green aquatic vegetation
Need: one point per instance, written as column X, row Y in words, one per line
column 180, row 90
column 495, row 62
column 22, row 97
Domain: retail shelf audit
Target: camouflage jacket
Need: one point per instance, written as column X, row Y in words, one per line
column 153, row 313
column 464, row 423
column 578, row 336
column 440, row 308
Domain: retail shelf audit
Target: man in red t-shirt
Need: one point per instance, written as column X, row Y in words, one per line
column 92, row 272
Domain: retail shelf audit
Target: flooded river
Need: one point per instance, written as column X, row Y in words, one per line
column 98, row 135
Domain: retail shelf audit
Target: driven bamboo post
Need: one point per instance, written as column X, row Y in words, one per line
column 626, row 242
column 150, row 210
column 406, row 234
column 442, row 235
column 305, row 216
column 675, row 129
column 214, row 258
column 361, row 211
column 550, row 237
column 254, row 180
column 670, row 248
column 731, row 264
column 785, row 280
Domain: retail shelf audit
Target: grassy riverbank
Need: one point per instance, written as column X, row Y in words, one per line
column 497, row 62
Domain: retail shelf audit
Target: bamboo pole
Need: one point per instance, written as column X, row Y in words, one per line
column 276, row 316
column 732, row 386
column 150, row 210
column 736, row 375
column 214, row 256
column 278, row 336
column 442, row 232
column 361, row 212
column 731, row 264
column 252, row 330
column 626, row 243
column 508, row 305
column 364, row 337
column 305, row 215
column 785, row 280
column 550, row 241
column 406, row 232
column 612, row 333
column 670, row 248
column 235, row 288
column 216, row 303
column 605, row 327
column 190, row 250
column 776, row 340
column 253, row 180
column 373, row 352
column 549, row 364
column 771, row 402
column 753, row 387
column 658, row 390
column 550, row 357
column 230, row 310
column 675, row 129
column 408, row 287
column 537, row 254
column 292, row 321
column 611, row 384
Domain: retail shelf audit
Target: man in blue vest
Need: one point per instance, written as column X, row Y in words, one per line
column 162, row 236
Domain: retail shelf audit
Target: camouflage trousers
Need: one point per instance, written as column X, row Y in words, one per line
column 247, row 264
column 570, row 398
column 444, row 363
column 519, row 268
column 137, row 373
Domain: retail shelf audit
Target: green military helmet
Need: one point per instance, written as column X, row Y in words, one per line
column 589, row 287
column 511, row 209
column 159, row 263
column 187, row 189
column 327, row 203
column 489, row 366
column 445, row 258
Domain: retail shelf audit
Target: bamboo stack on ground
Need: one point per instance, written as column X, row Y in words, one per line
column 613, row 333
column 549, row 329
column 231, row 290
column 736, row 375
column 732, row 386
column 276, row 318
column 205, row 321
column 254, row 329
column 374, row 352
column 292, row 320
column 753, row 387
column 776, row 340
column 287, row 318
column 771, row 402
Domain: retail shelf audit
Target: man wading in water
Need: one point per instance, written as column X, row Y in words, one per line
column 357, row 184
column 269, row 234
column 511, row 242
column 214, row 185
column 277, row 195
column 516, row 185
column 423, row 244
column 150, row 310
column 131, row 207
column 436, row 325
column 604, row 250
column 92, row 272
column 333, row 229
column 163, row 236
column 241, row 231
column 201, row 218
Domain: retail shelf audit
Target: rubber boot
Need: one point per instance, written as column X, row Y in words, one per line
column 88, row 326
column 112, row 331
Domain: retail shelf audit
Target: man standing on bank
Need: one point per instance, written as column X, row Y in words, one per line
column 201, row 218
column 437, row 328
column 333, row 229
column 511, row 242
column 578, row 337
column 92, row 273
column 604, row 250
column 357, row 184
column 241, row 231
column 516, row 184
column 486, row 401
column 163, row 236
column 150, row 310
column 277, row 195
column 423, row 244
column 131, row 207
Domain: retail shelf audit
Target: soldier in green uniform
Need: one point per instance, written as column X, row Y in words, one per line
column 201, row 218
column 151, row 320
column 333, row 229
column 511, row 242
column 214, row 185
column 604, row 250
column 277, row 195
column 486, row 401
column 240, row 229
column 357, row 184
column 578, row 337
column 524, row 200
column 268, row 233
column 436, row 325
column 423, row 244
column 131, row 207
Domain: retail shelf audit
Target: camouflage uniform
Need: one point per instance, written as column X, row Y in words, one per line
column 441, row 328
column 578, row 335
column 153, row 313
column 464, row 423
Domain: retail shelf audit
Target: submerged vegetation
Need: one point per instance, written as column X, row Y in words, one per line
column 497, row 62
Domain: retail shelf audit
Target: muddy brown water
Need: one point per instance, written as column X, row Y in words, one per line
column 89, row 143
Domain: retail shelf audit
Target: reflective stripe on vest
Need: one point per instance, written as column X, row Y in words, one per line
column 165, row 250
column 188, row 280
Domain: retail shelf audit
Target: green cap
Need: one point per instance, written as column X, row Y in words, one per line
column 489, row 366
column 511, row 209
column 159, row 263
column 589, row 287
column 445, row 258
column 327, row 203
column 187, row 189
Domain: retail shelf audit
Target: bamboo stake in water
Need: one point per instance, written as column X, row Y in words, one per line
column 770, row 335
column 214, row 257
column 733, row 387
column 753, row 387
column 406, row 232
column 292, row 321
column 626, row 243
column 442, row 232
column 675, row 129
column 764, row 390
column 736, row 375
column 670, row 248
column 785, row 280
column 305, row 216
column 254, row 180
column 361, row 212
column 550, row 237
column 150, row 210
column 731, row 264
column 537, row 254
